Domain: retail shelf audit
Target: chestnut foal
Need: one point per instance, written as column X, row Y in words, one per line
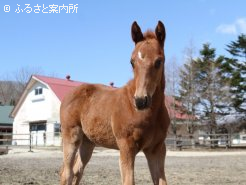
column 131, row 119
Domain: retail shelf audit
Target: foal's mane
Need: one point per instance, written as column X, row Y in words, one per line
column 149, row 34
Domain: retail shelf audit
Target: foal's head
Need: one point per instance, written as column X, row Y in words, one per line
column 148, row 63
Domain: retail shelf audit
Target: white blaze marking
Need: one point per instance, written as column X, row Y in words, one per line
column 140, row 55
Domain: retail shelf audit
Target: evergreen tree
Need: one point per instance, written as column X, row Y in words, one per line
column 213, row 94
column 238, row 48
column 234, row 70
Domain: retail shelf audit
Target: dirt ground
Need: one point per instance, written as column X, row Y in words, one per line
column 204, row 167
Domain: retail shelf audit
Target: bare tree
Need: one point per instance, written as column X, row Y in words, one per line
column 22, row 76
column 7, row 89
column 172, row 77
column 172, row 85
column 12, row 86
column 187, row 91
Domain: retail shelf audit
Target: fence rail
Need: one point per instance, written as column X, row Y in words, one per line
column 28, row 140
column 206, row 141
column 45, row 139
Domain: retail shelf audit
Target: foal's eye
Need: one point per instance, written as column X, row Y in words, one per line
column 158, row 63
column 132, row 63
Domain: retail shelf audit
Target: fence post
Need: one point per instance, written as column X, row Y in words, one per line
column 7, row 149
column 30, row 142
column 230, row 140
column 227, row 141
column 175, row 142
column 180, row 143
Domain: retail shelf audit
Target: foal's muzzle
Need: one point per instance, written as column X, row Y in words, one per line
column 142, row 103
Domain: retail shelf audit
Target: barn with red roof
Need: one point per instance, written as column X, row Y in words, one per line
column 37, row 110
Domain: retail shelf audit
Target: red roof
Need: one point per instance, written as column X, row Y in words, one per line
column 59, row 86
column 175, row 112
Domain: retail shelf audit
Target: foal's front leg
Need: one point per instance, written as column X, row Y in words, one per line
column 156, row 161
column 127, row 158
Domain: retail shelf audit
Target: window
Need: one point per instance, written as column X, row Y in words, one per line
column 244, row 138
column 38, row 126
column 57, row 129
column 38, row 95
column 38, row 91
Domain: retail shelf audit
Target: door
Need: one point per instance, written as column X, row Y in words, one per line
column 38, row 132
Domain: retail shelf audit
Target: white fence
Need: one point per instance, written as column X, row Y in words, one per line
column 30, row 140
column 46, row 139
column 209, row 141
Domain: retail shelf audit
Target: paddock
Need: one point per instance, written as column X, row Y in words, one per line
column 182, row 167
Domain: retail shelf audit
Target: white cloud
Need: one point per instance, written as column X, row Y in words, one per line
column 239, row 26
column 227, row 29
column 241, row 23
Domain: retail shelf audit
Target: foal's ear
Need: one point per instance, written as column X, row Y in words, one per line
column 136, row 32
column 160, row 33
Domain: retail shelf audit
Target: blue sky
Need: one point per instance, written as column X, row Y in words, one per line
column 94, row 45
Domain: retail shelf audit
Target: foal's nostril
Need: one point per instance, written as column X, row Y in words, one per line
column 142, row 103
column 146, row 99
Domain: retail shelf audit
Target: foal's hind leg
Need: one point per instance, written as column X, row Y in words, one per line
column 82, row 158
column 71, row 140
column 156, row 160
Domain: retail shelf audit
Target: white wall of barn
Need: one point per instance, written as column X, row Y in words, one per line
column 46, row 107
